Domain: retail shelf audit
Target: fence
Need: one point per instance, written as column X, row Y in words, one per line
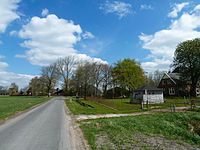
column 171, row 107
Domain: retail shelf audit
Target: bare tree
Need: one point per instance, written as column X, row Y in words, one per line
column 3, row 90
column 154, row 78
column 50, row 75
column 65, row 68
column 77, row 80
column 107, row 78
column 97, row 75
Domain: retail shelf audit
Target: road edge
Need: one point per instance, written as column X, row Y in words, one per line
column 78, row 142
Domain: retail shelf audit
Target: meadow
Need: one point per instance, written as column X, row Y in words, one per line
column 157, row 131
column 9, row 105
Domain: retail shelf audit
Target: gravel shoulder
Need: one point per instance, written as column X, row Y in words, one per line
column 78, row 141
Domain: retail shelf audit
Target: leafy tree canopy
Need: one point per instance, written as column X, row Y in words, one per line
column 187, row 59
column 127, row 73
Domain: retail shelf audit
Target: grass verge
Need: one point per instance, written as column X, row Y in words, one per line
column 145, row 131
column 9, row 105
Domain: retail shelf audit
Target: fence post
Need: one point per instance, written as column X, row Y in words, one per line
column 174, row 107
column 147, row 104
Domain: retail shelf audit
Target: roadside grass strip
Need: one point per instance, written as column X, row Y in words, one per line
column 9, row 105
column 157, row 131
column 77, row 109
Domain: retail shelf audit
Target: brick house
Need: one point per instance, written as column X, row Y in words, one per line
column 172, row 85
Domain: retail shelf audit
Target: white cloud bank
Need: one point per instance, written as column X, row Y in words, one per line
column 162, row 44
column 50, row 38
column 121, row 9
column 8, row 13
column 22, row 80
column 6, row 78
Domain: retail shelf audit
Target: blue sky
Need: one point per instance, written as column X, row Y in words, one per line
column 34, row 33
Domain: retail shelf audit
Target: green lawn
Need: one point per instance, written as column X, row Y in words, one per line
column 76, row 108
column 105, row 106
column 9, row 105
column 117, row 107
column 120, row 104
column 138, row 131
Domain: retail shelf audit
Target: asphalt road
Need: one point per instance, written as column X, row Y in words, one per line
column 43, row 128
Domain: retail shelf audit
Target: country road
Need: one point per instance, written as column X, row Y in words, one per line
column 43, row 128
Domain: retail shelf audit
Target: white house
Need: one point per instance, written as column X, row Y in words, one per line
column 148, row 93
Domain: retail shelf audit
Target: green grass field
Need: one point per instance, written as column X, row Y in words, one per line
column 143, row 131
column 9, row 105
column 119, row 104
column 107, row 106
column 77, row 109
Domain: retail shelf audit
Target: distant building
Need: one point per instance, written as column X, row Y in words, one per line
column 173, row 85
column 148, row 93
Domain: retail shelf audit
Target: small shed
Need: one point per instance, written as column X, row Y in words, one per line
column 148, row 93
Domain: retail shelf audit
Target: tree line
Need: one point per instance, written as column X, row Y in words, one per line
column 83, row 78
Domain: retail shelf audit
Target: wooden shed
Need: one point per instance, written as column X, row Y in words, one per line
column 148, row 93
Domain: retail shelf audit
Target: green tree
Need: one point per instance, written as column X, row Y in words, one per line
column 187, row 59
column 13, row 89
column 37, row 86
column 128, row 74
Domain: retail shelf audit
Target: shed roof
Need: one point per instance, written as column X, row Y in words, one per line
column 148, row 88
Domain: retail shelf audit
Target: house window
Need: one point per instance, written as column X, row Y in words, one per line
column 169, row 82
column 171, row 91
column 163, row 82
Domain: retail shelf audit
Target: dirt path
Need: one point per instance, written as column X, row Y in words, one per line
column 84, row 117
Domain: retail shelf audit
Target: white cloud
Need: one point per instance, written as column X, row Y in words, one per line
column 8, row 13
column 176, row 9
column 6, row 78
column 20, row 56
column 162, row 44
column 45, row 12
column 3, row 65
column 88, row 35
column 13, row 33
column 197, row 8
column 119, row 8
column 46, row 45
column 84, row 57
column 144, row 6
column 22, row 80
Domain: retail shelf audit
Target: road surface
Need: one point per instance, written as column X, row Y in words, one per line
column 43, row 128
